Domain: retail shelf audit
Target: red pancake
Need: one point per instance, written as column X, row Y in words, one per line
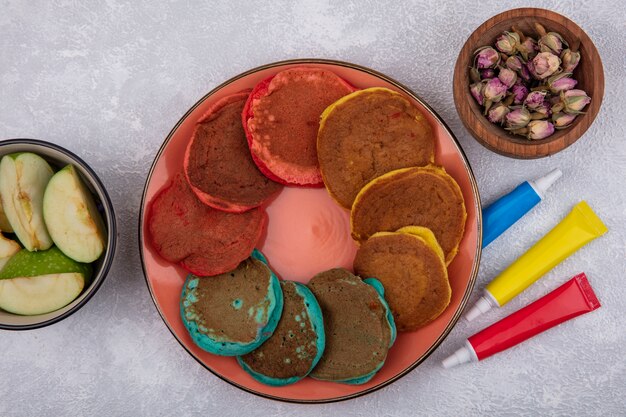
column 218, row 164
column 203, row 240
column 281, row 119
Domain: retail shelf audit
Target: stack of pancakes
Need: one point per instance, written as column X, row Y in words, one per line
column 374, row 151
column 377, row 156
column 211, row 216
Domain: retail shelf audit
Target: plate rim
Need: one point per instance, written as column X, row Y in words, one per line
column 468, row 168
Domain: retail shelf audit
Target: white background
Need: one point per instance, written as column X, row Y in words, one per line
column 109, row 79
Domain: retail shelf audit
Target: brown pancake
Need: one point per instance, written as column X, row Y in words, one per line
column 203, row 240
column 218, row 164
column 358, row 333
column 235, row 312
column 369, row 133
column 411, row 267
column 247, row 283
column 420, row 196
column 297, row 343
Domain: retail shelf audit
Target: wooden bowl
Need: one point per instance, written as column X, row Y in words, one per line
column 589, row 74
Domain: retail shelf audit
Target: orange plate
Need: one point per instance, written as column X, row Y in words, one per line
column 165, row 280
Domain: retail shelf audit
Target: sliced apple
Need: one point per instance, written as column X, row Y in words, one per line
column 41, row 294
column 72, row 218
column 41, row 282
column 23, row 180
column 5, row 226
column 8, row 248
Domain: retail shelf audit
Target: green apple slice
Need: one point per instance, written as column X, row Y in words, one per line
column 23, row 180
column 8, row 248
column 41, row 294
column 51, row 261
column 41, row 282
column 72, row 218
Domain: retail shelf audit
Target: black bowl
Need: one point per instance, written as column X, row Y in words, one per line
column 58, row 157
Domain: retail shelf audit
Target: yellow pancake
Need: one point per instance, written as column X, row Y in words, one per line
column 418, row 196
column 410, row 265
column 366, row 134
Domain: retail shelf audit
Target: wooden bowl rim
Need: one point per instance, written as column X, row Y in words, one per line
column 500, row 143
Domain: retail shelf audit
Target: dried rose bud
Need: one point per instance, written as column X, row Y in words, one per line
column 552, row 42
column 496, row 113
column 557, row 107
column 570, row 60
column 517, row 118
column 561, row 82
column 528, row 48
column 524, row 73
column 574, row 101
column 534, row 99
column 543, row 111
column 486, row 57
column 539, row 129
column 474, row 74
column 519, row 91
column 508, row 42
column 494, row 90
column 477, row 92
column 514, row 63
column 508, row 100
column 487, row 73
column 562, row 120
column 544, row 65
column 507, row 76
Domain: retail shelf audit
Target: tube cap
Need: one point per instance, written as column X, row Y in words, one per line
column 542, row 184
column 462, row 355
column 483, row 305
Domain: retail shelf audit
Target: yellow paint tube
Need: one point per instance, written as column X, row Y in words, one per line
column 578, row 228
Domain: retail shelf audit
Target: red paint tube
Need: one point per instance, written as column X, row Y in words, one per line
column 571, row 299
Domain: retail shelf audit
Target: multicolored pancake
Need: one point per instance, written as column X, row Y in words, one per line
column 281, row 118
column 358, row 324
column 297, row 343
column 218, row 164
column 203, row 240
column 419, row 196
column 369, row 133
column 411, row 266
column 233, row 313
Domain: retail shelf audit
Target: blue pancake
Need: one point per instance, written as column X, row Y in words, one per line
column 358, row 323
column 296, row 346
column 233, row 313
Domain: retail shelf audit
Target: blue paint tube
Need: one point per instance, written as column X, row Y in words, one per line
column 504, row 212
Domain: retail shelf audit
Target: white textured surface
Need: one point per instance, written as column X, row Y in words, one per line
column 108, row 80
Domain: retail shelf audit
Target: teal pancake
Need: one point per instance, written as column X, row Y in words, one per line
column 358, row 323
column 233, row 313
column 297, row 344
